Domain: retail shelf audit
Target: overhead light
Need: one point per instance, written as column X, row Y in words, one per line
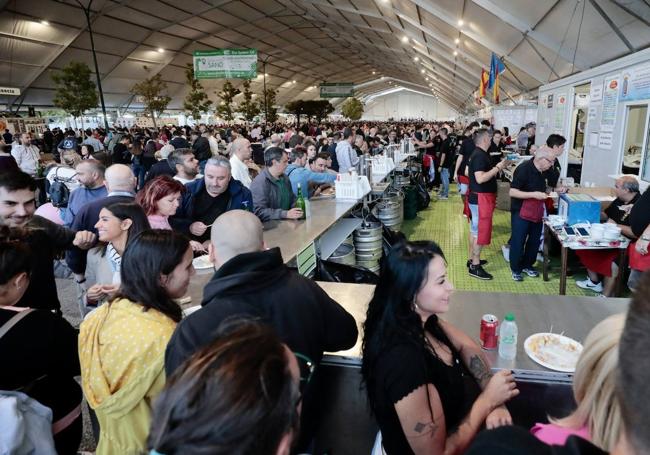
column 457, row 40
column 374, row 72
column 460, row 22
column 44, row 22
column 422, row 71
column 293, row 81
column 405, row 39
column 415, row 59
column 161, row 50
column 455, row 53
column 426, row 78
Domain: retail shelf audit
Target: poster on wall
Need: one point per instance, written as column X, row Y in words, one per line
column 610, row 103
column 596, row 91
column 636, row 83
column 605, row 140
column 592, row 113
column 549, row 101
column 560, row 113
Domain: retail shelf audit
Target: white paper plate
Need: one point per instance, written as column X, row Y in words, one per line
column 553, row 351
column 202, row 262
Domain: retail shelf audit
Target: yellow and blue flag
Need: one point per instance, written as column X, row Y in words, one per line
column 496, row 68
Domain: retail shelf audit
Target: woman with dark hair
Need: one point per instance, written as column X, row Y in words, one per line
column 240, row 394
column 118, row 223
column 39, row 352
column 423, row 375
column 87, row 151
column 122, row 343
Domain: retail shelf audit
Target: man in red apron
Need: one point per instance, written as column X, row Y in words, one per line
column 482, row 201
column 638, row 251
column 602, row 262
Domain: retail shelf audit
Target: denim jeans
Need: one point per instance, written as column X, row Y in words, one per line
column 139, row 171
column 524, row 243
column 444, row 177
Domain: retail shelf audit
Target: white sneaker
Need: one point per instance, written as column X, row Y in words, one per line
column 590, row 285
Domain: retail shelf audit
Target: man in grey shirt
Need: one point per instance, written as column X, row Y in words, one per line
column 345, row 154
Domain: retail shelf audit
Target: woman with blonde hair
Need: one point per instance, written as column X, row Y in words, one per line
column 598, row 415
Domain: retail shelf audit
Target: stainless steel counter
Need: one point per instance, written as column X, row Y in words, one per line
column 573, row 316
column 293, row 236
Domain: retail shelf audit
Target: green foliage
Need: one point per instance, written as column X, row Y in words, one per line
column 312, row 108
column 268, row 96
column 248, row 107
column 196, row 100
column 352, row 108
column 296, row 107
column 226, row 108
column 75, row 91
column 319, row 109
column 151, row 90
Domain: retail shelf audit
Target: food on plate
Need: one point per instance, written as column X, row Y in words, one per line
column 553, row 351
column 202, row 262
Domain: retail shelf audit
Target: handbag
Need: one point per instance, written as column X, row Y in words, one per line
column 532, row 210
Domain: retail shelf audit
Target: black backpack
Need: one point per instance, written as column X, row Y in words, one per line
column 59, row 192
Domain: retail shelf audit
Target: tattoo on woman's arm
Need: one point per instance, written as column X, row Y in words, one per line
column 479, row 370
column 425, row 428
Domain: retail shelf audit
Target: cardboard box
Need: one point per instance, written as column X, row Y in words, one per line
column 604, row 194
column 579, row 208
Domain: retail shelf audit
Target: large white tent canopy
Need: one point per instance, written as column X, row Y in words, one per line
column 426, row 45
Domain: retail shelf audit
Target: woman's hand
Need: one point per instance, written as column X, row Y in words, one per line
column 109, row 290
column 642, row 246
column 197, row 246
column 499, row 417
column 499, row 389
column 94, row 293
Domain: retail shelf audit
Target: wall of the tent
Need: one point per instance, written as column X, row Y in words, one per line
column 616, row 89
column 406, row 104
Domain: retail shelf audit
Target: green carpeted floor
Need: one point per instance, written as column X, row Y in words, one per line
column 444, row 223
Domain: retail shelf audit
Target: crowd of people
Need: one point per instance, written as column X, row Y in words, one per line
column 235, row 375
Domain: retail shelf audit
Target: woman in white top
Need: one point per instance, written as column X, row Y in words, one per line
column 118, row 222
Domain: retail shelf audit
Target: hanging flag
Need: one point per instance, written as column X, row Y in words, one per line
column 496, row 68
column 482, row 88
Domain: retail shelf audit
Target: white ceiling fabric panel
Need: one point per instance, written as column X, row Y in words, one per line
column 418, row 44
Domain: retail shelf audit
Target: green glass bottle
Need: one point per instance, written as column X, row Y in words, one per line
column 300, row 203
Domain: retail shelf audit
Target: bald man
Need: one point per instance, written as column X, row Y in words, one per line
column 254, row 282
column 120, row 186
column 601, row 264
column 241, row 153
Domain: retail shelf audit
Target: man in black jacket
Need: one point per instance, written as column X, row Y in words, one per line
column 201, row 148
column 46, row 239
column 252, row 281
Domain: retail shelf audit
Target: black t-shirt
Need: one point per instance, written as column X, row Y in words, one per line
column 449, row 151
column 619, row 216
column 121, row 154
column 640, row 214
column 526, row 178
column 552, row 175
column 403, row 367
column 41, row 345
column 207, row 208
column 466, row 149
column 480, row 162
column 514, row 440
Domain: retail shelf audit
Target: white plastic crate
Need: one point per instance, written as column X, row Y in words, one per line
column 353, row 188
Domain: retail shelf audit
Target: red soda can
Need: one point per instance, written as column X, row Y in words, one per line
column 489, row 331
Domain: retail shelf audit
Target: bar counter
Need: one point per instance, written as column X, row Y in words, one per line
column 572, row 316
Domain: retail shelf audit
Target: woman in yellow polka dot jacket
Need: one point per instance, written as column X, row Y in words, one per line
column 122, row 343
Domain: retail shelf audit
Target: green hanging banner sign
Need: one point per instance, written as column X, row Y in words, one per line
column 225, row 64
column 337, row 90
